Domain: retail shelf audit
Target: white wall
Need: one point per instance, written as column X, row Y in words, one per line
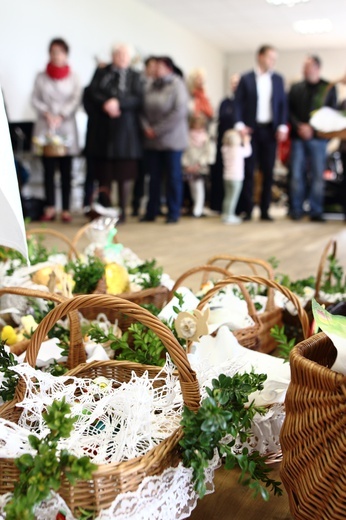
column 289, row 63
column 91, row 27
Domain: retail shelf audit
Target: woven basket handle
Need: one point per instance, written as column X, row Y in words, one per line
column 211, row 269
column 43, row 231
column 329, row 250
column 187, row 376
column 303, row 317
column 252, row 263
column 76, row 352
column 81, row 231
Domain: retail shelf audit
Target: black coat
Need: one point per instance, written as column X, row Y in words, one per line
column 114, row 138
column 304, row 98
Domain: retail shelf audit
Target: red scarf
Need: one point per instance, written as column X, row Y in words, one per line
column 202, row 103
column 55, row 72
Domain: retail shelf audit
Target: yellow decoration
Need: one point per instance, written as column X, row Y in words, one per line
column 117, row 278
column 55, row 279
column 43, row 276
column 9, row 335
column 29, row 323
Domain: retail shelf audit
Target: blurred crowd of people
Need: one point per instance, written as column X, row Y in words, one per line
column 155, row 125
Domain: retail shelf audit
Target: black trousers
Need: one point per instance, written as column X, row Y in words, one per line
column 65, row 166
column 263, row 144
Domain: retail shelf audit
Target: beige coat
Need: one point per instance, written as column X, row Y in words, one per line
column 59, row 97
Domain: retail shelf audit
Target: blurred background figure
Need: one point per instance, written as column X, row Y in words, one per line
column 308, row 152
column 260, row 109
column 148, row 76
column 195, row 161
column 56, row 97
column 234, row 152
column 114, row 101
column 200, row 103
column 225, row 122
column 336, row 98
column 166, row 136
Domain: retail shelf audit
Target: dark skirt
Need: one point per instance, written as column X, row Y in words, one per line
column 119, row 170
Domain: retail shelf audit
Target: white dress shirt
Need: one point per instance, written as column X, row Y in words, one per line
column 264, row 87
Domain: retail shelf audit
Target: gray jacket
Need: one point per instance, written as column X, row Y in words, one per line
column 165, row 111
column 59, row 97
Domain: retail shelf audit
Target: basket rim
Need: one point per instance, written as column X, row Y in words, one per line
column 298, row 356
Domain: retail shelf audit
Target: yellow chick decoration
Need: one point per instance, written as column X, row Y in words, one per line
column 117, row 278
column 44, row 277
column 9, row 335
column 29, row 324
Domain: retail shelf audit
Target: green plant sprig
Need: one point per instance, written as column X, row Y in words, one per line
column 145, row 347
column 139, row 343
column 10, row 378
column 334, row 277
column 225, row 412
column 86, row 275
column 284, row 345
column 151, row 270
column 41, row 473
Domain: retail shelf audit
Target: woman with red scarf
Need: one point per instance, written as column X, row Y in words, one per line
column 56, row 97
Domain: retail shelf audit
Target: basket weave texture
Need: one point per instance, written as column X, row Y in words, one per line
column 109, row 480
column 313, row 436
column 272, row 315
column 248, row 337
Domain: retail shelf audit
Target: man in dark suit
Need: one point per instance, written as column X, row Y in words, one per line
column 260, row 110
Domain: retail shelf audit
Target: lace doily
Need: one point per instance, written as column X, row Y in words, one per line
column 116, row 421
column 168, row 496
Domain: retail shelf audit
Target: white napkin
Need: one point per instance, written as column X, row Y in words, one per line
column 327, row 119
column 224, row 349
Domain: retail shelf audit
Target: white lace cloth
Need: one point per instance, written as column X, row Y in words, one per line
column 169, row 496
column 116, row 422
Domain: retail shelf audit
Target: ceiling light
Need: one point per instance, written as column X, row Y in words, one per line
column 289, row 3
column 319, row 25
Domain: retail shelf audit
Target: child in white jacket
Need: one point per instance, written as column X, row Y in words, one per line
column 234, row 152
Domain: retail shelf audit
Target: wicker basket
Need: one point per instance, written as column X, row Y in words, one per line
column 313, row 436
column 248, row 337
column 77, row 353
column 241, row 279
column 272, row 315
column 54, row 150
column 72, row 251
column 291, row 322
column 109, row 480
column 338, row 134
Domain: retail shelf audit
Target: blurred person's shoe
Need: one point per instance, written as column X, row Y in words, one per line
column 232, row 220
column 317, row 218
column 49, row 215
column 171, row 220
column 66, row 217
column 146, row 218
column 267, row 218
